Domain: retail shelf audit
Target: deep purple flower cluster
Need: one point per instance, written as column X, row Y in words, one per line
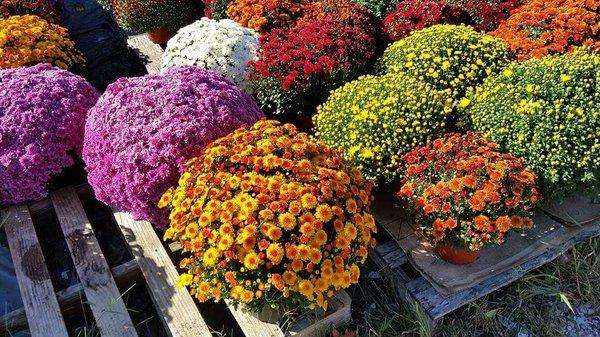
column 143, row 129
column 42, row 118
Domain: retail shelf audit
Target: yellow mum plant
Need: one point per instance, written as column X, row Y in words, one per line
column 28, row 39
column 451, row 58
column 373, row 120
column 270, row 217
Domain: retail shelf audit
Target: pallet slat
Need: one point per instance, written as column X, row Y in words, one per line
column 419, row 290
column 101, row 292
column 314, row 324
column 70, row 299
column 177, row 308
column 39, row 300
column 149, row 52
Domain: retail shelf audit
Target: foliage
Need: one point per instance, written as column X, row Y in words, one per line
column 28, row 39
column 453, row 59
column 546, row 111
column 143, row 129
column 297, row 68
column 268, row 216
column 546, row 27
column 378, row 8
column 45, row 9
column 466, row 193
column 140, row 16
column 411, row 15
column 42, row 117
column 215, row 9
column 223, row 46
column 373, row 120
column 264, row 15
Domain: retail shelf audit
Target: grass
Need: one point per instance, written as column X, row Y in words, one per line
column 540, row 303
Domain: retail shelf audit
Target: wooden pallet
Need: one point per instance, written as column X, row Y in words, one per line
column 149, row 52
column 415, row 289
column 45, row 311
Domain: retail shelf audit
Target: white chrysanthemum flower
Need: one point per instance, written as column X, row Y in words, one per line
column 223, row 46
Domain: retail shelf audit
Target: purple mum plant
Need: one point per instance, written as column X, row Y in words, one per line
column 42, row 119
column 143, row 129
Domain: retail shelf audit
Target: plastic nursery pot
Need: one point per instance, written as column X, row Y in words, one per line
column 455, row 255
column 160, row 35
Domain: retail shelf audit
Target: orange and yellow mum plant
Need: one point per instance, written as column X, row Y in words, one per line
column 270, row 217
column 547, row 27
column 465, row 193
column 28, row 39
column 264, row 15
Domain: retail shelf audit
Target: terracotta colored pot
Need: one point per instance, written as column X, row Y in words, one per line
column 160, row 35
column 456, row 255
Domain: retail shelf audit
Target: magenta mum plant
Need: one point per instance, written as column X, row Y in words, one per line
column 143, row 129
column 42, row 119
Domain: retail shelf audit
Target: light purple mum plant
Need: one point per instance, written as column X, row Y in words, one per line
column 42, row 118
column 143, row 129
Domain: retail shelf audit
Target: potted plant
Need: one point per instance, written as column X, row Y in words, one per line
column 465, row 194
column 160, row 19
column 271, row 219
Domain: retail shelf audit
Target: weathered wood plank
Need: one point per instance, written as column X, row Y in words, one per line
column 101, row 292
column 312, row 324
column 252, row 326
column 149, row 52
column 178, row 311
column 39, row 300
column 125, row 275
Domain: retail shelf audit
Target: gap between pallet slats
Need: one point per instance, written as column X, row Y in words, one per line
column 177, row 309
column 101, row 292
column 39, row 300
column 126, row 275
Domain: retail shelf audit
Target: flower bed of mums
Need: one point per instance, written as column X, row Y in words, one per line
column 142, row 130
column 269, row 217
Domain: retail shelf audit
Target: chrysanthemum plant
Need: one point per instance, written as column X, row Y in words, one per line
column 465, row 193
column 270, row 217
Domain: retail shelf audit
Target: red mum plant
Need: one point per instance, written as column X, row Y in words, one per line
column 488, row 14
column 43, row 8
column 298, row 67
column 465, row 193
column 413, row 15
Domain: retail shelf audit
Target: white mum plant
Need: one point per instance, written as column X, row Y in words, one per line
column 223, row 46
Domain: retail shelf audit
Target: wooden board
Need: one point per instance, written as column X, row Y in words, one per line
column 101, row 292
column 178, row 311
column 389, row 256
column 39, row 300
column 150, row 53
column 126, row 275
column 311, row 324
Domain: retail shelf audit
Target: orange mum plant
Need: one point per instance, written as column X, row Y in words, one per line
column 270, row 217
column 465, row 193
column 28, row 39
column 263, row 15
column 546, row 27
